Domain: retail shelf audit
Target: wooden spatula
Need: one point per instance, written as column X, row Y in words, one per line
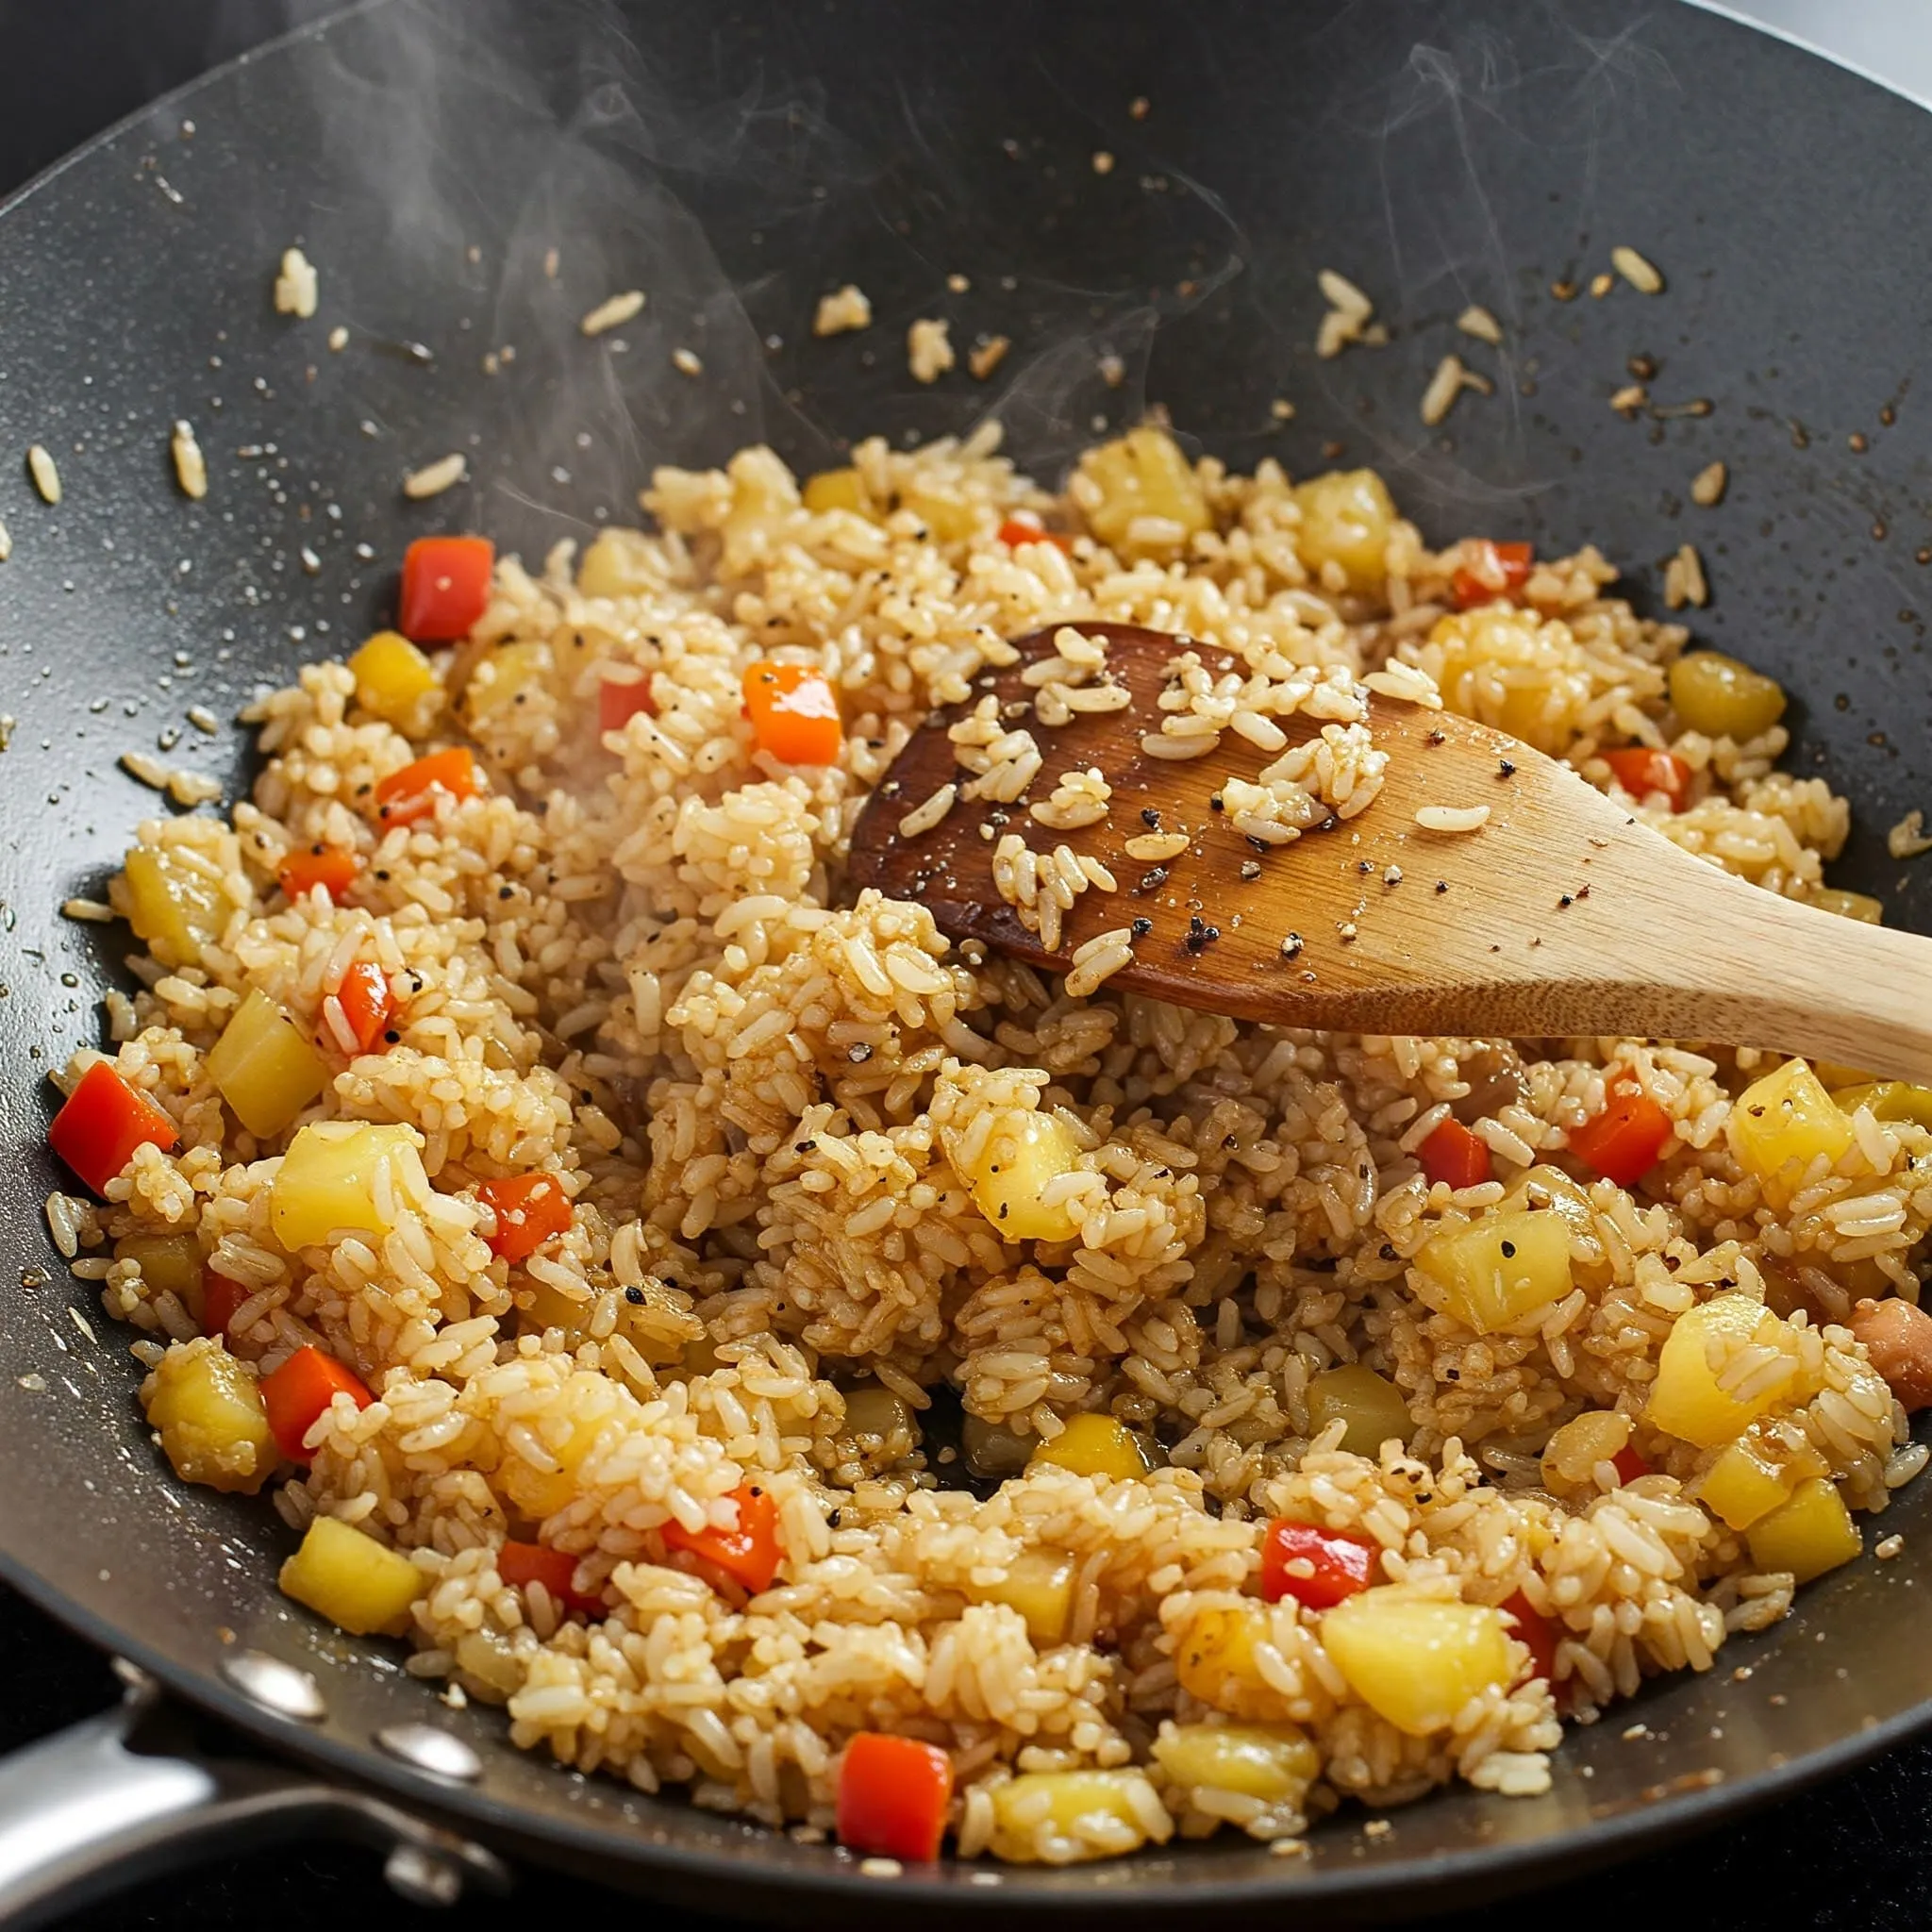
column 1560, row 916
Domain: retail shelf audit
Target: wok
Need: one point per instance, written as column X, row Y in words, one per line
column 736, row 165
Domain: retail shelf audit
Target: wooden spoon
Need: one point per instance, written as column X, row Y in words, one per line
column 1561, row 916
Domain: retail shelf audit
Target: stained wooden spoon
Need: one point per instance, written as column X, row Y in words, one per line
column 1561, row 916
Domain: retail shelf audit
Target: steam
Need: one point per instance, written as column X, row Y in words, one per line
column 529, row 159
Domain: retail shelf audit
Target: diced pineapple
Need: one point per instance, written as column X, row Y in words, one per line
column 1809, row 1535
column 1498, row 1270
column 1722, row 698
column 1039, row 1585
column 619, row 563
column 176, row 902
column 539, row 1488
column 1215, row 1657
column 1013, row 1171
column 1369, row 1404
column 1571, row 1456
column 358, row 1584
column 327, row 1180
column 489, row 1660
column 169, row 1263
column 393, row 679
column 1416, row 1660
column 1275, row 1763
column 208, row 1411
column 1093, row 1445
column 1511, row 669
column 1688, row 1399
column 1065, row 1817
column 1346, row 517
column 550, row 1308
column 264, row 1067
column 1890, row 1099
column 1148, row 497
column 1755, row 1476
column 1858, row 906
column 1781, row 1123
column 949, row 518
column 838, row 489
column 1544, row 1186
column 504, row 678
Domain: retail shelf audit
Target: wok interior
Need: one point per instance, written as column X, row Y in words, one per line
column 1447, row 154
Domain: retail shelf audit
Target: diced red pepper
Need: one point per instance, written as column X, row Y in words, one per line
column 523, row 1563
column 1490, row 571
column 793, row 712
column 1630, row 1465
column 1641, row 770
column 367, row 1000
column 220, row 1299
column 747, row 1556
column 1623, row 1141
column 410, row 795
column 446, row 587
column 892, row 1798
column 103, row 1121
column 299, row 1390
column 327, row 866
column 620, row 699
column 1539, row 1635
column 1340, row 1563
column 1454, row 1154
column 1017, row 530
column 531, row 1209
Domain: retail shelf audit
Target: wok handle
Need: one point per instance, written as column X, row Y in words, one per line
column 121, row 1797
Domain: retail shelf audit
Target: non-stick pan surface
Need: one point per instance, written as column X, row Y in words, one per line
column 735, row 165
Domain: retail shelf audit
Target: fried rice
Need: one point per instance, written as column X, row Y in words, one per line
column 631, row 963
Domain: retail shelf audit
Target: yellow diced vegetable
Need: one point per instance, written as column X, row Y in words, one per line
column 1346, row 517
column 619, row 563
column 489, row 1658
column 838, row 489
column 1369, row 1404
column 359, row 1585
column 264, row 1067
column 1066, row 1817
column 1782, row 1124
column 1722, row 698
column 1688, row 1399
column 170, row 1264
column 1753, row 1476
column 208, row 1410
column 1215, row 1657
column 1275, row 1763
column 550, row 1308
column 1416, row 1660
column 1495, row 1271
column 1039, row 1585
column 326, row 1181
column 1808, row 1536
column 1013, row 1171
column 1149, row 498
column 1890, row 1099
column 1512, row 669
column 176, row 902
column 587, row 1403
column 393, row 678
column 504, row 679
column 1093, row 1445
column 949, row 518
column 1858, row 906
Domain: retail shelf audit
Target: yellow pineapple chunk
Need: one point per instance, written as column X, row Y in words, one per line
column 1781, row 1125
column 838, row 489
column 1755, row 1476
column 169, row 1263
column 208, row 1410
column 1722, row 698
column 264, row 1067
column 1148, row 498
column 1067, row 1817
column 1275, row 1763
column 1889, row 1100
column 1346, row 517
column 1093, row 1445
column 1012, row 1172
column 359, row 1585
column 1498, row 1270
column 1696, row 1396
column 327, row 1182
column 176, row 902
column 1416, row 1660
column 393, row 679
column 1039, row 1585
column 1809, row 1535
column 1369, row 1405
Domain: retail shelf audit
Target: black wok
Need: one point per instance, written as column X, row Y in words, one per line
column 1439, row 152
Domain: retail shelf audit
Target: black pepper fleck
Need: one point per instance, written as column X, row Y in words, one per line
column 1141, row 928
column 1504, row 769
